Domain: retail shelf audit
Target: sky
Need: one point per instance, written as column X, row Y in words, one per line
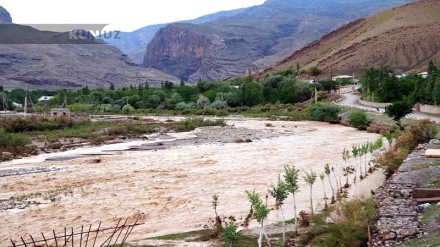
column 123, row 15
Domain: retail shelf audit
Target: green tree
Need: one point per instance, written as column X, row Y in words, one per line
column 280, row 193
column 251, row 94
column 291, row 177
column 202, row 102
column 260, row 212
column 85, row 90
column 358, row 119
column 310, row 179
column 399, row 109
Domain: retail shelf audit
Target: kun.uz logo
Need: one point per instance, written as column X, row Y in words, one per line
column 59, row 34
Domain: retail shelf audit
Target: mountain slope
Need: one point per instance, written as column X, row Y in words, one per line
column 33, row 59
column 5, row 17
column 260, row 36
column 404, row 38
column 135, row 43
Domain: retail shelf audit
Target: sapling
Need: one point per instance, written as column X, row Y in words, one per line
column 310, row 178
column 291, row 178
column 338, row 176
column 371, row 149
column 280, row 193
column 327, row 171
column 355, row 152
column 364, row 153
column 345, row 157
column 260, row 212
column 218, row 221
column 322, row 176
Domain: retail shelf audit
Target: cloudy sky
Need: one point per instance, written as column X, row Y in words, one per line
column 125, row 15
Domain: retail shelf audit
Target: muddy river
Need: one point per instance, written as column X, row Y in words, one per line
column 169, row 187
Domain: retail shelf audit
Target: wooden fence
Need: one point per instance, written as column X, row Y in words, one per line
column 111, row 236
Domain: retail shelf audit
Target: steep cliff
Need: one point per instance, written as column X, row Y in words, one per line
column 135, row 43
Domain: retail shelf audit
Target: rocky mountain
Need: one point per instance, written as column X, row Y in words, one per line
column 405, row 38
column 255, row 38
column 5, row 17
column 135, row 43
column 33, row 59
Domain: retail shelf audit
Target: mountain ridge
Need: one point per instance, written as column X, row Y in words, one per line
column 260, row 36
column 406, row 37
column 33, row 59
column 134, row 44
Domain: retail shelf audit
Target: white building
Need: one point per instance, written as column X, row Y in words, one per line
column 423, row 74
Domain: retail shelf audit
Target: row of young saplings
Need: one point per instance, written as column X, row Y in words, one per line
column 289, row 185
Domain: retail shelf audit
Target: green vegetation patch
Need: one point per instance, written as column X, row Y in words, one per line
column 193, row 123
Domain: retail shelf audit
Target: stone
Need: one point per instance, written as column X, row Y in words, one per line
column 434, row 142
column 432, row 153
column 389, row 236
column 7, row 154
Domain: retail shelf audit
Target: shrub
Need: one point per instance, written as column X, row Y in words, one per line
column 341, row 225
column 392, row 160
column 358, row 119
column 229, row 234
column 424, row 131
column 416, row 134
column 127, row 109
column 192, row 123
column 16, row 125
column 13, row 140
column 315, row 71
column 323, row 112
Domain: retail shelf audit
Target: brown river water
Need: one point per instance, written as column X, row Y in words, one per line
column 170, row 189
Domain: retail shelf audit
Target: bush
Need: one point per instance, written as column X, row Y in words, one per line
column 416, row 134
column 16, row 125
column 192, row 123
column 229, row 234
column 358, row 119
column 13, row 140
column 315, row 71
column 392, row 160
column 323, row 112
column 341, row 225
column 127, row 109
column 425, row 131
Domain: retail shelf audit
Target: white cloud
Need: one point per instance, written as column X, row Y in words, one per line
column 125, row 15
